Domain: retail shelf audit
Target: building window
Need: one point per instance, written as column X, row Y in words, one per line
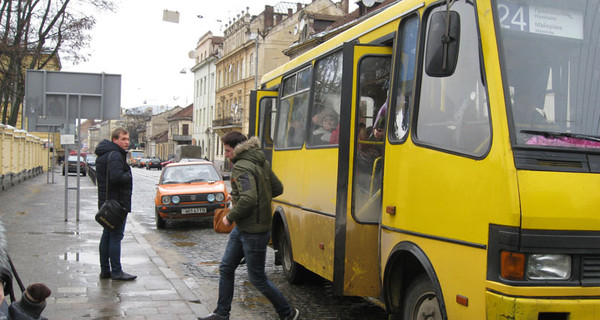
column 185, row 130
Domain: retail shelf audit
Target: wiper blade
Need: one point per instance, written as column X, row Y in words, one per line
column 550, row 134
column 195, row 180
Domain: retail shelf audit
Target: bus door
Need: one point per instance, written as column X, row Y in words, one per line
column 262, row 119
column 367, row 70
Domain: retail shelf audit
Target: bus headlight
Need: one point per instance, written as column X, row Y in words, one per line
column 549, row 267
column 220, row 197
column 166, row 199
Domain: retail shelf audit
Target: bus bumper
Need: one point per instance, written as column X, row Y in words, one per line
column 501, row 307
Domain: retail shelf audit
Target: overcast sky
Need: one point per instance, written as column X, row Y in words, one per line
column 150, row 53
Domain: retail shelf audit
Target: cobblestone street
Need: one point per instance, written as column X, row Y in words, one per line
column 194, row 250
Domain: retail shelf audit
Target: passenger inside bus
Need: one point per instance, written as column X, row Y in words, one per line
column 369, row 164
column 328, row 121
column 527, row 111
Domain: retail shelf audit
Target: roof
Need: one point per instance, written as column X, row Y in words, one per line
column 185, row 113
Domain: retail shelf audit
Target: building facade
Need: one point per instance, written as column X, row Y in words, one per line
column 180, row 129
column 208, row 50
column 157, row 128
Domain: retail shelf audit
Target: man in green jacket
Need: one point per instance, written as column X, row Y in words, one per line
column 253, row 186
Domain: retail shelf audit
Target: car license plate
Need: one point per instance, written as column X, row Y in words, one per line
column 193, row 210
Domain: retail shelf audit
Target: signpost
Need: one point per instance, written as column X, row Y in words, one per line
column 55, row 99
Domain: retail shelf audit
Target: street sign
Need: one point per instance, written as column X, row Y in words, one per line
column 55, row 98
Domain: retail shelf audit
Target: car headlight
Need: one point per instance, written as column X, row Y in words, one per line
column 549, row 267
column 220, row 197
column 166, row 199
column 210, row 197
column 175, row 199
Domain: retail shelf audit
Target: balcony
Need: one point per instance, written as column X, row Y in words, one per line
column 229, row 122
column 182, row 138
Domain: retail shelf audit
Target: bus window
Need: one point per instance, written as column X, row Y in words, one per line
column 552, row 76
column 267, row 123
column 327, row 99
column 453, row 111
column 407, row 38
column 374, row 75
column 293, row 110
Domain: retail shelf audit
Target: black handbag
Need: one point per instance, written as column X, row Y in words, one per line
column 111, row 215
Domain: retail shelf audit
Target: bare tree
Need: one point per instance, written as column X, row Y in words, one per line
column 32, row 34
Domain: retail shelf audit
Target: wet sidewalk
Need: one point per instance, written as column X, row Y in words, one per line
column 64, row 255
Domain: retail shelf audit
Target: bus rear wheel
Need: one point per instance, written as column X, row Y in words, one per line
column 420, row 302
column 292, row 271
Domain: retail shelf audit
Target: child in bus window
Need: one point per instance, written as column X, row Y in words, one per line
column 328, row 121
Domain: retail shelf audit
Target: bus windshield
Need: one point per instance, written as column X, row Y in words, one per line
column 552, row 69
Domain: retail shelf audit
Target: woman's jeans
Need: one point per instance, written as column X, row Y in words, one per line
column 110, row 249
column 252, row 246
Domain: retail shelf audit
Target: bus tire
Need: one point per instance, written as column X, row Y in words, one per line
column 420, row 301
column 160, row 222
column 292, row 271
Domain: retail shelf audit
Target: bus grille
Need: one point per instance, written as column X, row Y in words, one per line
column 590, row 270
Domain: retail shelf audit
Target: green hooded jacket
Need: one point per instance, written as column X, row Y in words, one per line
column 252, row 210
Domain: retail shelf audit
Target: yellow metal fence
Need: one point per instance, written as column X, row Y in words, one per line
column 23, row 156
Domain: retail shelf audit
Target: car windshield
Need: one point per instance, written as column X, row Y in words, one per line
column 551, row 67
column 189, row 173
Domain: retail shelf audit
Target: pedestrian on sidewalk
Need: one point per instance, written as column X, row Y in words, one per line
column 111, row 158
column 33, row 299
column 253, row 186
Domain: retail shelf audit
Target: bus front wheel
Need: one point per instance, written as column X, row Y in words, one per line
column 420, row 302
column 291, row 270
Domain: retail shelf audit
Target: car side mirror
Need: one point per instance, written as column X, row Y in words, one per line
column 226, row 176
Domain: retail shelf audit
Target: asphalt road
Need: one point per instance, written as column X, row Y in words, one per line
column 194, row 250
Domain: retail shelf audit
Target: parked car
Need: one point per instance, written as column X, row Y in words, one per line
column 135, row 162
column 164, row 163
column 153, row 163
column 71, row 165
column 90, row 160
column 142, row 163
column 189, row 191
column 190, row 160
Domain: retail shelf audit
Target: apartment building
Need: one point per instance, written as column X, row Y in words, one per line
column 208, row 50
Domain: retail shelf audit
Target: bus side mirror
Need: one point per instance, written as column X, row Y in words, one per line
column 226, row 176
column 442, row 44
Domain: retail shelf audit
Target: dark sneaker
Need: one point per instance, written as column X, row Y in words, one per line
column 295, row 315
column 123, row 276
column 105, row 275
column 213, row 316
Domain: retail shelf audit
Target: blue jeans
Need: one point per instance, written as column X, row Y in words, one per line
column 252, row 246
column 110, row 249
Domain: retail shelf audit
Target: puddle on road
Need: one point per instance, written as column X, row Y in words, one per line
column 80, row 257
column 250, row 300
column 63, row 233
column 178, row 236
column 184, row 243
column 94, row 258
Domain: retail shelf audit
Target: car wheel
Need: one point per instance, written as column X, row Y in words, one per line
column 160, row 222
column 420, row 301
column 293, row 272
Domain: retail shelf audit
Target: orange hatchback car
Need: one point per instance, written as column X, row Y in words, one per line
column 190, row 191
